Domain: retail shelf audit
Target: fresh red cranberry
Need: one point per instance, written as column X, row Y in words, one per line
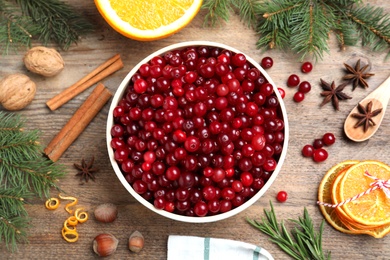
column 320, row 155
column 281, row 196
column 293, row 80
column 306, row 67
column 318, row 143
column 267, row 62
column 308, row 150
column 299, row 97
column 304, row 87
column 282, row 92
column 328, row 139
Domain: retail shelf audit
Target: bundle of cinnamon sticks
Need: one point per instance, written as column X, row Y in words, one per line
column 87, row 111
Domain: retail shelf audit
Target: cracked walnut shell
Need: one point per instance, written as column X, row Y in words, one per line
column 16, row 91
column 43, row 61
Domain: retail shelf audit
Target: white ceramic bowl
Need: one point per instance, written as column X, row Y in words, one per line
column 110, row 121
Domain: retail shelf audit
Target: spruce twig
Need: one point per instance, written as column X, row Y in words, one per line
column 304, row 26
column 24, row 172
column 54, row 21
column 303, row 242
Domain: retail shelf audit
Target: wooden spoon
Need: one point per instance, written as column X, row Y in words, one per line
column 380, row 98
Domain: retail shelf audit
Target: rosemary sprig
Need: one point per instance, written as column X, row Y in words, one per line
column 301, row 243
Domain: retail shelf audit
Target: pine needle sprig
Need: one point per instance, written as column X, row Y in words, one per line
column 49, row 21
column 13, row 229
column 24, row 172
column 248, row 11
column 373, row 26
column 304, row 26
column 12, row 200
column 303, row 242
column 217, row 10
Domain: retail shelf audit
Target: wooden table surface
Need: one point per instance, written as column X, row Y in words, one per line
column 300, row 176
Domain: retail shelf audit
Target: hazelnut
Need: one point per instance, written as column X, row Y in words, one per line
column 43, row 61
column 16, row 91
column 136, row 242
column 105, row 244
column 106, row 212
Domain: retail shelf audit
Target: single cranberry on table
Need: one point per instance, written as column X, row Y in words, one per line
column 293, row 80
column 282, row 196
column 328, row 139
column 299, row 97
column 304, row 87
column 306, row 67
column 320, row 155
column 267, row 62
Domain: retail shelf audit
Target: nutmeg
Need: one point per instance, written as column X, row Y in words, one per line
column 16, row 91
column 105, row 244
column 43, row 61
column 136, row 242
column 106, row 212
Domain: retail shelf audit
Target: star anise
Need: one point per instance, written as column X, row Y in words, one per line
column 357, row 75
column 365, row 116
column 331, row 92
column 86, row 171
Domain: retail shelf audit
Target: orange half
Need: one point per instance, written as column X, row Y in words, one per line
column 148, row 20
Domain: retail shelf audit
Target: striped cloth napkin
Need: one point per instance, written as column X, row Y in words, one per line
column 205, row 248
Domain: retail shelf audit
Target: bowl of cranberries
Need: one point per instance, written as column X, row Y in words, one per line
column 197, row 132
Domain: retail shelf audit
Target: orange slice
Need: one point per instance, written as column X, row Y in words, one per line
column 147, row 20
column 325, row 195
column 372, row 209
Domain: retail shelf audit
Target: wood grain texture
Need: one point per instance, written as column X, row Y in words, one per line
column 300, row 176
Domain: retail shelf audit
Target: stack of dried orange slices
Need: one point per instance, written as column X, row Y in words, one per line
column 362, row 205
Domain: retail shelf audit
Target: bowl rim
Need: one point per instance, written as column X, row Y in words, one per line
column 119, row 94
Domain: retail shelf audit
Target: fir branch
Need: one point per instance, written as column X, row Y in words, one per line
column 273, row 27
column 304, row 26
column 48, row 20
column 38, row 176
column 12, row 200
column 13, row 230
column 217, row 10
column 24, row 172
column 374, row 26
column 302, row 243
column 248, row 11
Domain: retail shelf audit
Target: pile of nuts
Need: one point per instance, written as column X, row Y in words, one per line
column 105, row 244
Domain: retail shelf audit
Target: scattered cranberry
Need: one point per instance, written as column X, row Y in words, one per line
column 306, row 67
column 318, row 143
column 308, row 150
column 299, row 97
column 304, row 87
column 282, row 92
column 293, row 80
column 328, row 139
column 198, row 131
column 281, row 196
column 267, row 62
column 320, row 155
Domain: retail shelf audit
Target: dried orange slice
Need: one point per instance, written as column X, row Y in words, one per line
column 329, row 192
column 325, row 195
column 147, row 20
column 372, row 209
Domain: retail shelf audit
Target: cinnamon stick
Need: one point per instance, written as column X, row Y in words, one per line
column 107, row 68
column 78, row 122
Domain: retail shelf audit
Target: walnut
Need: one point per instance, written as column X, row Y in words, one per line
column 16, row 91
column 43, row 61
